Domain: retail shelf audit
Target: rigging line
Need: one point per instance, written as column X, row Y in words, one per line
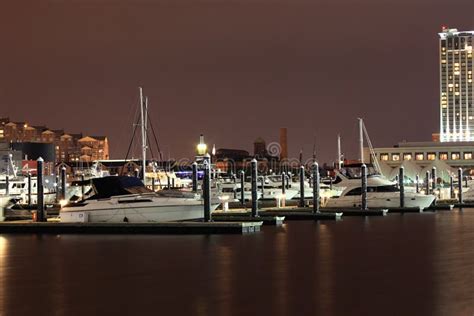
column 371, row 149
column 150, row 147
column 131, row 140
column 154, row 136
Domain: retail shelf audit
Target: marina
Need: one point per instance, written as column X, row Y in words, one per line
column 244, row 157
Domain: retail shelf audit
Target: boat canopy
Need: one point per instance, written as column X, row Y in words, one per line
column 107, row 187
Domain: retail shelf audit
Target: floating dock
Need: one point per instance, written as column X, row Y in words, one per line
column 245, row 218
column 357, row 211
column 131, row 228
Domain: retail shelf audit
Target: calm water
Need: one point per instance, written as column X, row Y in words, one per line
column 413, row 264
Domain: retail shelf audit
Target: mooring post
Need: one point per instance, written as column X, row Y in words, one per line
column 207, row 188
column 302, row 186
column 427, row 183
column 465, row 182
column 39, row 190
column 254, row 176
column 316, row 187
column 417, row 183
column 153, row 183
column 195, row 176
column 364, row 187
column 287, row 181
column 58, row 188
column 397, row 181
column 83, row 186
column 401, row 185
column 460, row 185
column 433, row 180
column 63, row 183
column 451, row 186
column 7, row 185
column 262, row 184
column 242, row 187
column 283, row 184
column 29, row 189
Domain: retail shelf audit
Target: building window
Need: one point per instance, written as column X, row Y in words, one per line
column 407, row 156
column 384, row 157
column 395, row 157
column 468, row 156
column 455, row 156
column 431, row 156
column 419, row 156
column 443, row 156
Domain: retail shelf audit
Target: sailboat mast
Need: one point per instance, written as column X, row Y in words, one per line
column 338, row 151
column 361, row 140
column 143, row 128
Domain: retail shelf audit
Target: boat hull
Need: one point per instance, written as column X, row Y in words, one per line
column 382, row 200
column 111, row 211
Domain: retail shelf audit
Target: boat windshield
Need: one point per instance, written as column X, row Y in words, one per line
column 356, row 172
column 117, row 185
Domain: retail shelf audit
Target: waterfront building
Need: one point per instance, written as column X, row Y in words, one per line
column 456, row 85
column 68, row 147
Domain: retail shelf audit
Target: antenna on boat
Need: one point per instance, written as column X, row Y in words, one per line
column 339, row 155
column 143, row 110
column 361, row 140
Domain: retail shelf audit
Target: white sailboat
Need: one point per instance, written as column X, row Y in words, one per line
column 381, row 193
column 126, row 199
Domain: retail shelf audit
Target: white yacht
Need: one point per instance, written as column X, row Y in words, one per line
column 232, row 191
column 18, row 188
column 381, row 193
column 126, row 199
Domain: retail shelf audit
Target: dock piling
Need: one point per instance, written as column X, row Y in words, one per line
column 451, row 187
column 460, row 186
column 40, row 190
column 207, row 188
column 301, row 186
column 316, row 187
column 254, row 175
column 83, row 187
column 433, row 180
column 427, row 183
column 401, row 185
column 29, row 189
column 195, row 177
column 364, row 187
column 242, row 187
column 63, row 183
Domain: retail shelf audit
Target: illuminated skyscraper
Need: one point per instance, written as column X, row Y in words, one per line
column 456, row 96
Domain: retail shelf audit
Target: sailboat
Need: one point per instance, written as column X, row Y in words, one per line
column 381, row 193
column 126, row 199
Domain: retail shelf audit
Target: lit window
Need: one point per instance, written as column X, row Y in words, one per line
column 395, row 157
column 455, row 156
column 419, row 156
column 467, row 156
column 443, row 156
column 384, row 157
column 407, row 156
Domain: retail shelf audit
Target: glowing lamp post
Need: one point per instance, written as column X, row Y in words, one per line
column 201, row 147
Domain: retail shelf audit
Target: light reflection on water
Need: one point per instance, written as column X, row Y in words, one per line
column 412, row 264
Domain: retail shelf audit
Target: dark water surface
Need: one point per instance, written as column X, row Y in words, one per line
column 413, row 264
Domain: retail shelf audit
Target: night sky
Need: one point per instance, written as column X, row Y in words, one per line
column 231, row 69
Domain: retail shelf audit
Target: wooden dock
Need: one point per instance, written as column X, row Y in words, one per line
column 357, row 211
column 131, row 228
column 245, row 218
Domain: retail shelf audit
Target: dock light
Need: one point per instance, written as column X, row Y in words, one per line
column 201, row 147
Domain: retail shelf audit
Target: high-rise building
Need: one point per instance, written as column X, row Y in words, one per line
column 456, row 96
